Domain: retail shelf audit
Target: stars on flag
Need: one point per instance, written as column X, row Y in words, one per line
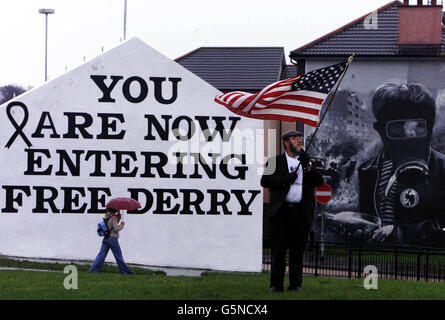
column 320, row 80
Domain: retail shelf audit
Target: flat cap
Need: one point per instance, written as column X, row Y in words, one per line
column 291, row 133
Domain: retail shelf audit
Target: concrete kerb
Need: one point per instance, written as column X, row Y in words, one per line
column 169, row 271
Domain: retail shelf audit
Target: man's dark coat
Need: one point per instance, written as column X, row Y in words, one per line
column 279, row 185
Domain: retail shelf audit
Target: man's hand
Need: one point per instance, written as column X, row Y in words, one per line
column 291, row 177
column 382, row 233
column 304, row 158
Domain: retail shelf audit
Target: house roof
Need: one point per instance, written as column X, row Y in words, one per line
column 290, row 71
column 356, row 38
column 236, row 68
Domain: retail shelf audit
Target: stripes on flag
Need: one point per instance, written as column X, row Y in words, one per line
column 296, row 99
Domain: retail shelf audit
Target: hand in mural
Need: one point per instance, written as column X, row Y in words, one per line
column 352, row 226
column 382, row 233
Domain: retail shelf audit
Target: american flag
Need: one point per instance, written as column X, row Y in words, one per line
column 295, row 99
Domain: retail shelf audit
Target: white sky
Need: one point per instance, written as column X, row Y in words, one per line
column 80, row 28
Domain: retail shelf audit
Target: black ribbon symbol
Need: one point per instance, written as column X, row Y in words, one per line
column 18, row 128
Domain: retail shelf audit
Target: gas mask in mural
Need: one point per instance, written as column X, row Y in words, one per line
column 407, row 143
column 405, row 116
column 402, row 183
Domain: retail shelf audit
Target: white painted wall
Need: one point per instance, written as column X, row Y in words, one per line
column 221, row 241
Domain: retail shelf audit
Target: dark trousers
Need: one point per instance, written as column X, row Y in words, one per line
column 290, row 230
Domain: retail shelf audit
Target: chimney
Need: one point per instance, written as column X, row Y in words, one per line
column 420, row 26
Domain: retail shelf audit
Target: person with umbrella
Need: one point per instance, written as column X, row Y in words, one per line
column 112, row 218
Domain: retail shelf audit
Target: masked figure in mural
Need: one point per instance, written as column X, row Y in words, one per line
column 404, row 184
column 291, row 180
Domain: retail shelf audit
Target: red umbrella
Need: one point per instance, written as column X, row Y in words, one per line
column 123, row 204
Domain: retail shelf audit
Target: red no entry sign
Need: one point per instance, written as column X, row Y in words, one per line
column 323, row 193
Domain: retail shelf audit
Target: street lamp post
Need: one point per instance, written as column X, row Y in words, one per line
column 46, row 12
column 125, row 20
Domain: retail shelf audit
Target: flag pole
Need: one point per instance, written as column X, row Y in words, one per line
column 332, row 99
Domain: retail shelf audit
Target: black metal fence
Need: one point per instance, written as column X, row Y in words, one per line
column 349, row 260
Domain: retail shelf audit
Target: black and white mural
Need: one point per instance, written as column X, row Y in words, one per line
column 381, row 147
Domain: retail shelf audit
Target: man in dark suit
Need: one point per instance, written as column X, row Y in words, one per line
column 291, row 180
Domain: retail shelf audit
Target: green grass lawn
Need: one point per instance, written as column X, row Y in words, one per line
column 146, row 284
